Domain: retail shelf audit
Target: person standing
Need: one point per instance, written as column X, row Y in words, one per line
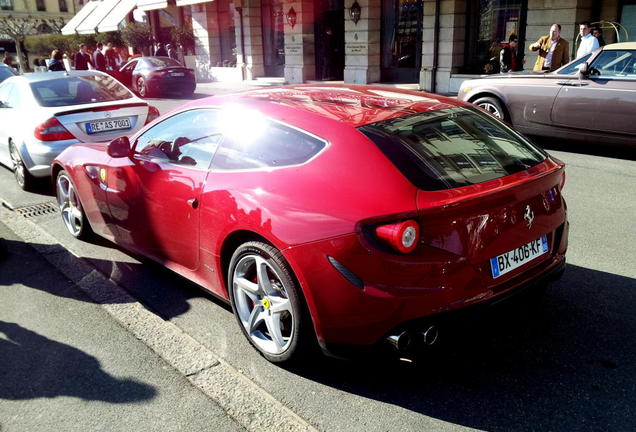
column 553, row 50
column 509, row 59
column 57, row 62
column 598, row 34
column 82, row 59
column 99, row 60
column 112, row 58
column 588, row 42
column 172, row 53
column 161, row 51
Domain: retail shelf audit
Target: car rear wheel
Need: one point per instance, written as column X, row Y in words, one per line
column 493, row 106
column 22, row 176
column 142, row 88
column 266, row 301
column 68, row 201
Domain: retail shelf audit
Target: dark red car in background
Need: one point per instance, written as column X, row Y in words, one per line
column 156, row 76
column 350, row 215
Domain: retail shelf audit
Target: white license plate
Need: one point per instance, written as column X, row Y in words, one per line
column 177, row 74
column 506, row 262
column 107, row 125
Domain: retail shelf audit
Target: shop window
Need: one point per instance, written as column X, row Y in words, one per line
column 6, row 5
column 490, row 23
column 63, row 6
column 40, row 5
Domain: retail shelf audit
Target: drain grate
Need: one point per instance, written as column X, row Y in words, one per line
column 37, row 210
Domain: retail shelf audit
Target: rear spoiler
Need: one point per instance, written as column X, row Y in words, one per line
column 102, row 108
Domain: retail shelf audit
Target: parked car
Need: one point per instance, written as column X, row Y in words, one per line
column 41, row 114
column 592, row 98
column 346, row 215
column 155, row 76
column 6, row 72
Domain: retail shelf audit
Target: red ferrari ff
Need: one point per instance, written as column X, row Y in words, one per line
column 347, row 215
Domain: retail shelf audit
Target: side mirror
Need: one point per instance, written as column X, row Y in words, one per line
column 119, row 147
column 584, row 70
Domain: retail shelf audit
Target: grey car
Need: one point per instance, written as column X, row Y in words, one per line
column 590, row 99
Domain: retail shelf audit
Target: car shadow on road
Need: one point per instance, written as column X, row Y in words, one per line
column 562, row 361
column 34, row 366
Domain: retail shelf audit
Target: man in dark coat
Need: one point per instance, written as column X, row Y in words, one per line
column 99, row 60
column 161, row 51
column 82, row 58
column 509, row 59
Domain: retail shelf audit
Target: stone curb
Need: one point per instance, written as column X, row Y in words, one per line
column 243, row 400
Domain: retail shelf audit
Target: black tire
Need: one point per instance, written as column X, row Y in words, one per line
column 23, row 177
column 73, row 216
column 494, row 106
column 142, row 88
column 281, row 281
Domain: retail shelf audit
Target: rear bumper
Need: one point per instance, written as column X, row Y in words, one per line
column 38, row 155
column 417, row 289
column 171, row 85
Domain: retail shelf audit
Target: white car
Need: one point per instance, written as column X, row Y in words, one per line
column 41, row 114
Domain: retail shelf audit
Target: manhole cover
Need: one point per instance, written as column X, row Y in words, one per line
column 36, row 210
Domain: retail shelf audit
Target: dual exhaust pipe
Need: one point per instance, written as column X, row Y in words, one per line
column 406, row 340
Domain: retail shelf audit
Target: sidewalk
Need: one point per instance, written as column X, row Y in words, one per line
column 66, row 365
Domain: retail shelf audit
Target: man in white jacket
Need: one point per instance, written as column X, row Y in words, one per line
column 588, row 42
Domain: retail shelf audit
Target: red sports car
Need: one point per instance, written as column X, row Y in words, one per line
column 347, row 215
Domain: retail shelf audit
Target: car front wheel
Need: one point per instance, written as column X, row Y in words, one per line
column 68, row 201
column 266, row 301
column 493, row 106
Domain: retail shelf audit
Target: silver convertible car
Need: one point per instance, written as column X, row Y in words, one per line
column 590, row 99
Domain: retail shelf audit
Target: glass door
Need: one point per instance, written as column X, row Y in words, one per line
column 273, row 21
column 401, row 40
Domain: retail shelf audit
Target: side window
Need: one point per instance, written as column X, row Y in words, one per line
column 573, row 67
column 614, row 64
column 279, row 146
column 189, row 138
column 129, row 68
column 10, row 96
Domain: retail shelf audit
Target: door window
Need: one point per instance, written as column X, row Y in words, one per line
column 615, row 64
column 279, row 146
column 129, row 68
column 573, row 67
column 189, row 138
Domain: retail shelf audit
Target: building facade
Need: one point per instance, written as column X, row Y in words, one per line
column 434, row 44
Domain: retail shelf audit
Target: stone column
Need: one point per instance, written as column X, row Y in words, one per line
column 362, row 43
column 300, row 60
column 451, row 43
column 543, row 13
column 253, row 58
column 207, row 45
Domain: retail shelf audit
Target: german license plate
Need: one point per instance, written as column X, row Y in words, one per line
column 506, row 262
column 177, row 74
column 107, row 125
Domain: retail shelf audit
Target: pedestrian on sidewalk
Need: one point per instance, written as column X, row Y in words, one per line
column 588, row 42
column 553, row 51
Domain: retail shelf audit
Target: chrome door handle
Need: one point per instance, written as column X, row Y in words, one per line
column 573, row 83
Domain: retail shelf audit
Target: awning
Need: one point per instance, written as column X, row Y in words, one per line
column 80, row 16
column 190, row 2
column 116, row 16
column 89, row 25
column 147, row 5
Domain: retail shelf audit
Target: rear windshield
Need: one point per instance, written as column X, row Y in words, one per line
column 452, row 147
column 162, row 62
column 78, row 90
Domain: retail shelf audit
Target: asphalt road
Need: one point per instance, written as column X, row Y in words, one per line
column 564, row 361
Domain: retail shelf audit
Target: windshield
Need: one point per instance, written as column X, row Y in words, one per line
column 452, row 147
column 78, row 90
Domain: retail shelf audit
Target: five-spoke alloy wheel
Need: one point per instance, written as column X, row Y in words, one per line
column 22, row 176
column 72, row 213
column 493, row 106
column 266, row 301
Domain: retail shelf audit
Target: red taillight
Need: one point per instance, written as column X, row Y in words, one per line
column 52, row 130
column 153, row 113
column 158, row 73
column 402, row 237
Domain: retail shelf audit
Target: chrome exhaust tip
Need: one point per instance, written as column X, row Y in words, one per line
column 430, row 335
column 401, row 341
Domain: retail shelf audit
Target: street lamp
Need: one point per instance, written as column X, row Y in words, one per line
column 354, row 12
column 291, row 17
